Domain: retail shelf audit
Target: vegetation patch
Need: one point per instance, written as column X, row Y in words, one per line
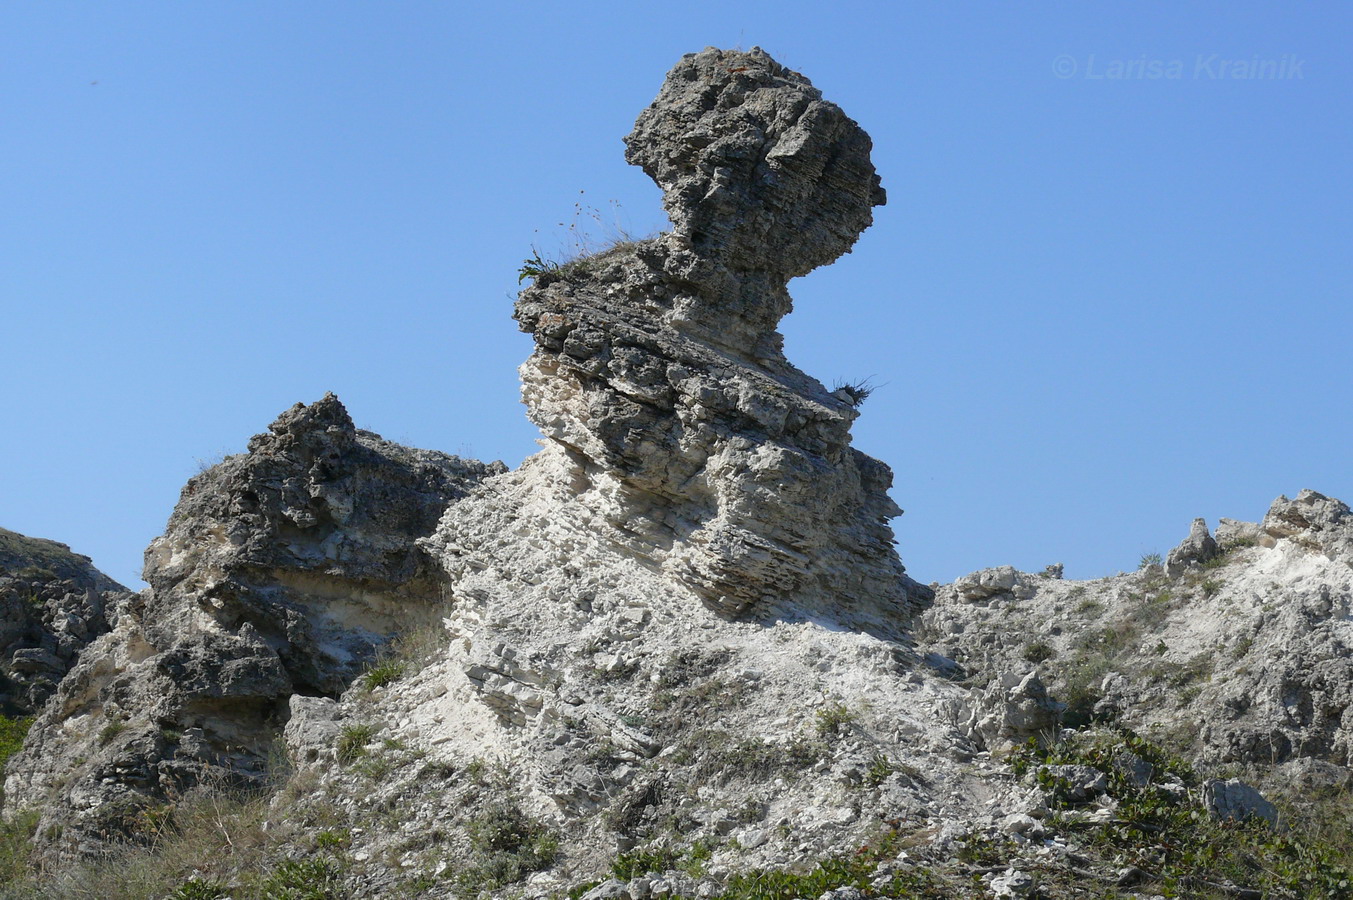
column 833, row 718
column 1180, row 849
column 12, row 733
column 506, row 845
column 1039, row 651
column 383, row 672
column 352, row 742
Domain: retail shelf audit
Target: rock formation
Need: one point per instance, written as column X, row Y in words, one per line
column 52, row 604
column 1240, row 649
column 658, row 375
column 282, row 571
column 674, row 654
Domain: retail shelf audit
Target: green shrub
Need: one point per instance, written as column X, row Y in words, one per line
column 306, row 879
column 880, row 767
column 833, row 717
column 1178, row 843
column 506, row 846
column 1148, row 560
column 1039, row 651
column 111, row 731
column 720, row 756
column 333, row 840
column 637, row 863
column 856, row 870
column 200, row 889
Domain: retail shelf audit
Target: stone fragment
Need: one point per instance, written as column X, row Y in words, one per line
column 1021, row 824
column 1196, row 549
column 1235, row 800
column 611, row 889
column 312, row 732
column 1011, row 883
column 1014, row 708
column 1078, row 783
column 987, row 583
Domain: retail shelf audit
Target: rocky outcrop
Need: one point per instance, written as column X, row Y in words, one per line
column 658, row 376
column 282, row 571
column 684, row 618
column 1239, row 650
column 697, row 512
column 53, row 603
column 1313, row 520
column 1197, row 549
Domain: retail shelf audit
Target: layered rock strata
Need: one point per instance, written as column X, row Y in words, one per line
column 687, row 607
column 658, row 377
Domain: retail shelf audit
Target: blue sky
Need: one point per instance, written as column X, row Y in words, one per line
column 1110, row 290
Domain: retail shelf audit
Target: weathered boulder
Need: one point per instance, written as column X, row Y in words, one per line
column 1235, row 800
column 1314, row 521
column 1196, row 549
column 986, row 583
column 1014, row 708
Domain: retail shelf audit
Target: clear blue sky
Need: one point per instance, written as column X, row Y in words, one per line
column 1096, row 306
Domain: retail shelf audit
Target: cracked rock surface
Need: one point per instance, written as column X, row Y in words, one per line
column 281, row 572
column 53, row 603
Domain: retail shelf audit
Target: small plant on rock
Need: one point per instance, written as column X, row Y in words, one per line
column 383, row 672
column 833, row 717
column 200, row 889
column 1039, row 651
column 352, row 742
column 306, row 879
column 110, row 731
column 535, row 266
column 880, row 767
column 856, row 391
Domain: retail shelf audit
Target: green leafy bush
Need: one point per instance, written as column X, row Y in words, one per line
column 637, row 863
column 1039, row 651
column 305, row 879
column 200, row 889
column 506, row 846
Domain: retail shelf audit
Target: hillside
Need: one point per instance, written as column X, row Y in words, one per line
column 676, row 652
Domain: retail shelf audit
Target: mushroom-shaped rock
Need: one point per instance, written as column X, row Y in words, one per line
column 756, row 169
